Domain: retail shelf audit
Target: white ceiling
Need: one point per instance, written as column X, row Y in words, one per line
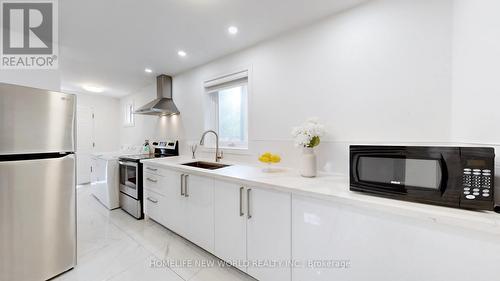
column 110, row 42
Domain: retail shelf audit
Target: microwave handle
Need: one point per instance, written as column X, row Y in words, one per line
column 444, row 174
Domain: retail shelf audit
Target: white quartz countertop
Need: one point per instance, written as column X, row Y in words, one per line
column 336, row 189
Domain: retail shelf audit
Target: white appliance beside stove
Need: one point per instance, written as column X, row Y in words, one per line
column 104, row 178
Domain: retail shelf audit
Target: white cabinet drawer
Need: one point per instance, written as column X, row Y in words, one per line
column 153, row 170
column 155, row 183
column 154, row 205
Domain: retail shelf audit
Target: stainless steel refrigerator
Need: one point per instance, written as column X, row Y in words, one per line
column 37, row 183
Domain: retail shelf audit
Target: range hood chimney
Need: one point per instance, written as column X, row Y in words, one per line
column 163, row 105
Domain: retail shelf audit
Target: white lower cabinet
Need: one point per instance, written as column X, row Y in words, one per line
column 241, row 225
column 327, row 240
column 254, row 225
column 317, row 237
column 183, row 203
column 199, row 210
column 269, row 235
column 175, row 203
column 384, row 246
column 230, row 223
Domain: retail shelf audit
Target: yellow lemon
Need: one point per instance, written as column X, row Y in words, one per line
column 264, row 159
column 275, row 158
column 268, row 157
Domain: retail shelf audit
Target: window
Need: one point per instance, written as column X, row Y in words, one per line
column 129, row 115
column 232, row 116
column 228, row 109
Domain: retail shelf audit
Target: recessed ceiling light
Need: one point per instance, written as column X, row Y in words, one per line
column 148, row 70
column 181, row 53
column 232, row 30
column 93, row 88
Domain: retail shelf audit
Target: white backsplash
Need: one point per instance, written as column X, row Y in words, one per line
column 131, row 149
column 333, row 157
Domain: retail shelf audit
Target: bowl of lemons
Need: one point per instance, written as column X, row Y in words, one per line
column 269, row 159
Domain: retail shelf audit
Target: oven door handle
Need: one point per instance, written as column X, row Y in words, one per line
column 130, row 164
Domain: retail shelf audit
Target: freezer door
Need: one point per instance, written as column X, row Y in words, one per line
column 35, row 121
column 37, row 218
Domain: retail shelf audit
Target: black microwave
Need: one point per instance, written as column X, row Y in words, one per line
column 460, row 177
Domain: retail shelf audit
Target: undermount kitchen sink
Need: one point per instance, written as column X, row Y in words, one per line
column 206, row 165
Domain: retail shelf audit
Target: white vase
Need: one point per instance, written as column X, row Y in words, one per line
column 308, row 163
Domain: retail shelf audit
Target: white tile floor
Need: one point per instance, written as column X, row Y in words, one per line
column 114, row 246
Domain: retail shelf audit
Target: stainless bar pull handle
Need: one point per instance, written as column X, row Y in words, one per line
column 186, row 193
column 152, row 200
column 249, row 215
column 241, row 201
column 151, row 169
column 152, row 180
column 129, row 164
column 182, row 185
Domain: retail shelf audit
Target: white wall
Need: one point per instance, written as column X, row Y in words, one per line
column 42, row 79
column 476, row 68
column 378, row 73
column 106, row 121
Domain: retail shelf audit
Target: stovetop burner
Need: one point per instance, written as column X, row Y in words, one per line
column 162, row 149
column 144, row 156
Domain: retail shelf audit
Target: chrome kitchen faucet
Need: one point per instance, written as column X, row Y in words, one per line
column 218, row 155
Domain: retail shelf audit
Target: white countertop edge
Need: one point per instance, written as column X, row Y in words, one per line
column 473, row 220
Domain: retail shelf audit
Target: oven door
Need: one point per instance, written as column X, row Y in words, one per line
column 129, row 177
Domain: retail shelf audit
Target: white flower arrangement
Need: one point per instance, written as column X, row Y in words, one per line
column 308, row 134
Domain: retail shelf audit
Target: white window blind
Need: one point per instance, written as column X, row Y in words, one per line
column 226, row 80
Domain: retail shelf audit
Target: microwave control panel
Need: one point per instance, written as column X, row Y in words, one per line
column 477, row 184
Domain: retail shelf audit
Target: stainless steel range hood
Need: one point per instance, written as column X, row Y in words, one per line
column 163, row 104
